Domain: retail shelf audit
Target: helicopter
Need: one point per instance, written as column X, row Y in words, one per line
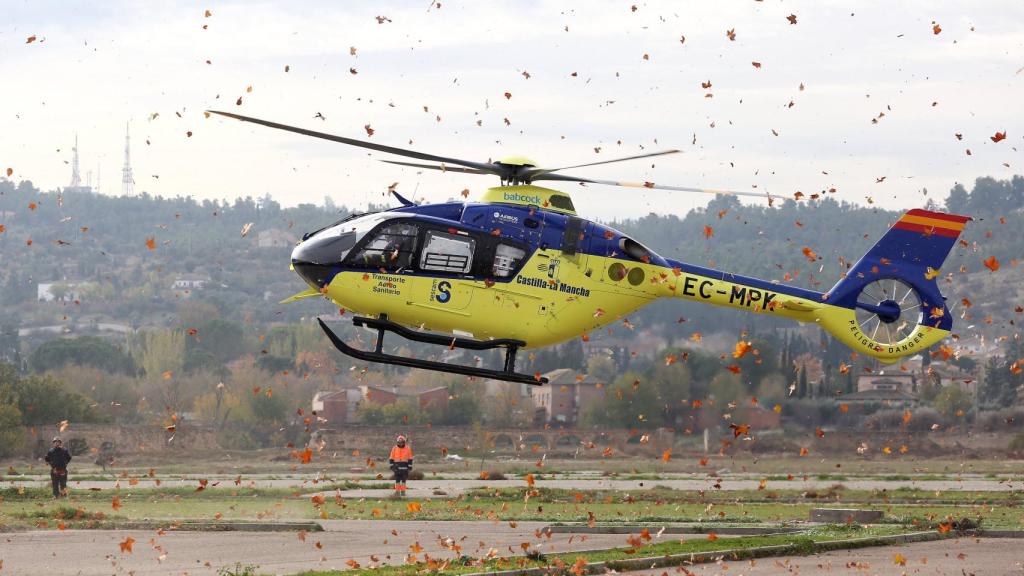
column 520, row 269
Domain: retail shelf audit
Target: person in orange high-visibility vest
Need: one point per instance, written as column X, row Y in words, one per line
column 401, row 463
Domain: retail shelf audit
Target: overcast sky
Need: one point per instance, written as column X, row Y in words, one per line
column 588, row 81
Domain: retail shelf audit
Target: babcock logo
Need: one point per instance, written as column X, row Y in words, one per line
column 517, row 197
column 444, row 293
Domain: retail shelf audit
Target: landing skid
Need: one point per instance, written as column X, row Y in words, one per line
column 383, row 325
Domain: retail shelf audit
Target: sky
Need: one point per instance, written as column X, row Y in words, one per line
column 861, row 97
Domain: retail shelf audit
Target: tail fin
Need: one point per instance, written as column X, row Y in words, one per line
column 893, row 304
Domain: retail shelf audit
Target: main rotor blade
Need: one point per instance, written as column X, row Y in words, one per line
column 652, row 185
column 537, row 171
column 442, row 167
column 486, row 168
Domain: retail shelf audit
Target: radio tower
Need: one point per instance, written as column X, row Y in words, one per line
column 127, row 181
column 76, row 181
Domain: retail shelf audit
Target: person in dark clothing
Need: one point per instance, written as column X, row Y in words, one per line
column 58, row 458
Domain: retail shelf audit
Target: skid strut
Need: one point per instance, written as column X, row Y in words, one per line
column 382, row 325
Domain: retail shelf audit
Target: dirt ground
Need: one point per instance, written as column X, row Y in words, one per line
column 97, row 552
column 965, row 557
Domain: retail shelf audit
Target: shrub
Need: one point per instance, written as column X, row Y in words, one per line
column 1017, row 443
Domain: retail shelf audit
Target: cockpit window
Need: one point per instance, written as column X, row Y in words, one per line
column 391, row 248
column 327, row 250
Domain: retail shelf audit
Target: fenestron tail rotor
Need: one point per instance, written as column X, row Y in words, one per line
column 888, row 310
column 510, row 171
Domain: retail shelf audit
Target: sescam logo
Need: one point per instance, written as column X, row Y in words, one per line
column 517, row 197
column 441, row 291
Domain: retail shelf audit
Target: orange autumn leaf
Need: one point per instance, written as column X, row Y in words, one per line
column 899, row 560
column 530, row 480
column 991, row 263
column 306, row 456
column 810, row 254
column 735, row 369
column 804, row 451
column 739, row 430
column 708, row 231
column 666, row 455
column 32, row 205
column 696, row 337
column 116, row 503
column 945, row 527
column 151, row 243
column 999, row 136
column 10, row 172
column 126, row 546
column 741, row 349
column 712, row 536
column 931, row 273
column 413, row 507
column 777, row 409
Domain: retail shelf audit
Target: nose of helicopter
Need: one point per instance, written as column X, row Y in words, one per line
column 318, row 258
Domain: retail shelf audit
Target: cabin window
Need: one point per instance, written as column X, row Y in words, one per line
column 506, row 260
column 451, row 253
column 392, row 248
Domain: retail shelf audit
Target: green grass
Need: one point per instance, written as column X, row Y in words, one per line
column 803, row 543
column 30, row 506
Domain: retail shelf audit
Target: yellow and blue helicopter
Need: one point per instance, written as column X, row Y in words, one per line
column 519, row 269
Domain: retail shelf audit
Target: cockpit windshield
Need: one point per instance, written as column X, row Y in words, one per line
column 331, row 245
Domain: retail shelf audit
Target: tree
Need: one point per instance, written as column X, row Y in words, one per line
column 630, row 403
column 42, row 400
column 81, row 351
column 726, row 387
column 12, row 434
column 508, row 407
column 952, row 401
column 802, row 389
column 957, row 201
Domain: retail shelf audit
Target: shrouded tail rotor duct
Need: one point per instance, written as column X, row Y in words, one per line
column 888, row 311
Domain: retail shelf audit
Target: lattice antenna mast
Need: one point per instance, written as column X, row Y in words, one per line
column 76, row 180
column 127, row 181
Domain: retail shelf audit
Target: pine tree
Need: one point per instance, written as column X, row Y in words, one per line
column 801, row 387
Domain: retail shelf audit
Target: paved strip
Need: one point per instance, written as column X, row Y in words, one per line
column 455, row 487
column 986, row 556
column 97, row 552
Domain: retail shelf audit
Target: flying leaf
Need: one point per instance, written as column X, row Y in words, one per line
column 10, row 172
column 708, row 231
column 151, row 243
column 999, row 136
column 735, row 369
column 936, row 29
column 791, row 18
column 931, row 273
column 810, row 254
column 413, row 507
column 731, row 34
column 246, row 228
column 369, row 131
column 116, row 503
column 666, row 455
column 741, row 349
column 739, row 430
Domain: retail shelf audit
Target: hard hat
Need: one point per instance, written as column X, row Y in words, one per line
column 400, row 438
